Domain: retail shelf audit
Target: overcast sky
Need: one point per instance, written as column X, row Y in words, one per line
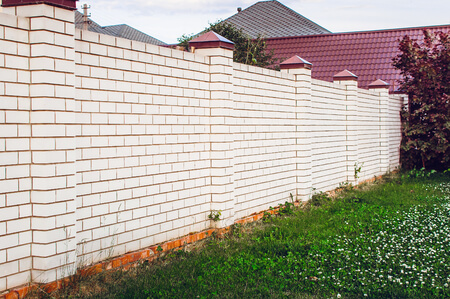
column 169, row 19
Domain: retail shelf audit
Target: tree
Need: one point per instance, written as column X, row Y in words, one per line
column 246, row 50
column 425, row 67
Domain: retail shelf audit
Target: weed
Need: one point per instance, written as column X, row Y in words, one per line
column 357, row 169
column 320, row 199
column 420, row 173
column 286, row 209
column 215, row 215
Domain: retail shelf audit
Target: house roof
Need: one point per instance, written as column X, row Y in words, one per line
column 273, row 19
column 122, row 30
column 367, row 54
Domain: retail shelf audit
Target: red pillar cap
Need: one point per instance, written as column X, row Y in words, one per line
column 378, row 84
column 345, row 75
column 67, row 4
column 295, row 62
column 211, row 40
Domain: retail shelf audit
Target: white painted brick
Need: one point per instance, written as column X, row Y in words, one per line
column 49, row 183
column 15, row 89
column 49, row 157
column 46, row 50
column 18, row 279
column 8, row 158
column 17, row 171
column 16, row 226
column 42, row 37
column 17, row 144
column 8, row 47
column 9, row 213
column 16, row 62
column 48, row 130
column 10, row 268
column 43, row 23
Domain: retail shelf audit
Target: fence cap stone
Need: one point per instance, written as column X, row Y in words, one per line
column 345, row 75
column 379, row 84
column 295, row 62
column 67, row 4
column 211, row 40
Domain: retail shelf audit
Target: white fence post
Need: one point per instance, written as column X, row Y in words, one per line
column 301, row 69
column 220, row 53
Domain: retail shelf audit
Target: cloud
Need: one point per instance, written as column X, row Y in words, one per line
column 150, row 7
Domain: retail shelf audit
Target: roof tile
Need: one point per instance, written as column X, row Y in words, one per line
column 360, row 52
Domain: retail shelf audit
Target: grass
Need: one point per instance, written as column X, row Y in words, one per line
column 388, row 239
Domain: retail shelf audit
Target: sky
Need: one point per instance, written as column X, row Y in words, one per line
column 167, row 20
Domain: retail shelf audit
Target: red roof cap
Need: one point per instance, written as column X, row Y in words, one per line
column 379, row 84
column 295, row 62
column 67, row 4
column 211, row 40
column 345, row 75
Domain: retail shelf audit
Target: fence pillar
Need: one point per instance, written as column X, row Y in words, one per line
column 220, row 53
column 301, row 69
column 52, row 141
column 382, row 88
column 350, row 81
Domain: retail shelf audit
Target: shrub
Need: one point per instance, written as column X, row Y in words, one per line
column 425, row 67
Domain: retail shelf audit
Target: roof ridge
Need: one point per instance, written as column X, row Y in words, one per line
column 298, row 14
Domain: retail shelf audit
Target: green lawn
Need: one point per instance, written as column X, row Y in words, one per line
column 389, row 239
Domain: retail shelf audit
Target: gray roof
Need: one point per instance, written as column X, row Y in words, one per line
column 123, row 31
column 273, row 19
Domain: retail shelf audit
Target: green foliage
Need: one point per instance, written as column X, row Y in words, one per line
column 215, row 215
column 420, row 173
column 381, row 242
column 425, row 68
column 320, row 199
column 357, row 169
column 247, row 50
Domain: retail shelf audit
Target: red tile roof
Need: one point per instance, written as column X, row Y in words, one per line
column 367, row 54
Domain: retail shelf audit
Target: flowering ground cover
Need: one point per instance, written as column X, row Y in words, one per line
column 389, row 239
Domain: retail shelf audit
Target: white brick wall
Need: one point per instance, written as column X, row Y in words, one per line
column 109, row 145
column 15, row 205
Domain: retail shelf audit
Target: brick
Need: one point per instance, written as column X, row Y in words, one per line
column 49, row 183
column 8, row 158
column 43, row 23
column 48, row 210
column 49, row 157
column 18, row 279
column 47, row 77
column 10, row 268
column 16, row 89
column 15, row 226
column 43, row 143
column 46, row 50
column 8, row 47
column 17, row 171
column 48, row 130
column 35, row 10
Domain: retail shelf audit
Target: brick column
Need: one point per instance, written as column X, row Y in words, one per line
column 301, row 69
column 382, row 88
column 350, row 81
column 52, row 121
column 220, row 53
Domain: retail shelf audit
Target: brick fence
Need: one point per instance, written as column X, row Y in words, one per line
column 109, row 145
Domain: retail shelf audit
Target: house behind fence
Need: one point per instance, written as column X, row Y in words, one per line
column 109, row 145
